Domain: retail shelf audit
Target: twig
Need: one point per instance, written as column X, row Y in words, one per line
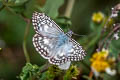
column 108, row 43
column 69, row 8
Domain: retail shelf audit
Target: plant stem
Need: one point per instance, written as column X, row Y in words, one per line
column 91, row 74
column 25, row 39
column 108, row 43
column 44, row 67
column 69, row 8
column 102, row 32
column 114, row 29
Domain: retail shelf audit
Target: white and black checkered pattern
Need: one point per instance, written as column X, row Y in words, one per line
column 52, row 43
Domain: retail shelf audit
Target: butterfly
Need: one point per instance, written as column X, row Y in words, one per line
column 52, row 43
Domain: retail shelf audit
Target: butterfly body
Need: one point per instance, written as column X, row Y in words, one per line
column 62, row 39
column 53, row 44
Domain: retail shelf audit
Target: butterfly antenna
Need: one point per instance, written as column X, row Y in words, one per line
column 78, row 34
column 74, row 33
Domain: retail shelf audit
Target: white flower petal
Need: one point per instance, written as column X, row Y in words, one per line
column 110, row 72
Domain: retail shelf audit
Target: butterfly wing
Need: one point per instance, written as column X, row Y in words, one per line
column 78, row 52
column 43, row 25
column 39, row 44
column 72, row 51
column 47, row 32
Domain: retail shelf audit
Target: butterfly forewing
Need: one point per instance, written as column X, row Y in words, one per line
column 44, row 25
column 78, row 53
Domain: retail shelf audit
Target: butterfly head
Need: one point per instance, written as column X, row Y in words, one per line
column 70, row 33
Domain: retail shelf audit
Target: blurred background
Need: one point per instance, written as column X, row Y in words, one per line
column 84, row 17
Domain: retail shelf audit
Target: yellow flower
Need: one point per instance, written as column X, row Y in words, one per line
column 100, row 62
column 98, row 17
column 100, row 66
column 99, row 55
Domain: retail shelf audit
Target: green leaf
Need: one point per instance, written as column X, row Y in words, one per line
column 20, row 2
column 51, row 7
column 115, row 48
column 16, row 2
column 108, row 77
column 17, row 6
column 118, row 67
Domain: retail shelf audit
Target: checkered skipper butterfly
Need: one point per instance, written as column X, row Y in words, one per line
column 53, row 44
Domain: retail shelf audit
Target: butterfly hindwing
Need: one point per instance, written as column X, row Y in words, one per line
column 39, row 45
column 45, row 45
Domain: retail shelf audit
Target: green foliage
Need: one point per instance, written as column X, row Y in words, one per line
column 71, row 73
column 108, row 77
column 118, row 67
column 64, row 22
column 14, row 2
column 51, row 7
column 115, row 48
column 29, row 72
column 52, row 73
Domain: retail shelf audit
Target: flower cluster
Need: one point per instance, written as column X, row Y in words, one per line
column 101, row 63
